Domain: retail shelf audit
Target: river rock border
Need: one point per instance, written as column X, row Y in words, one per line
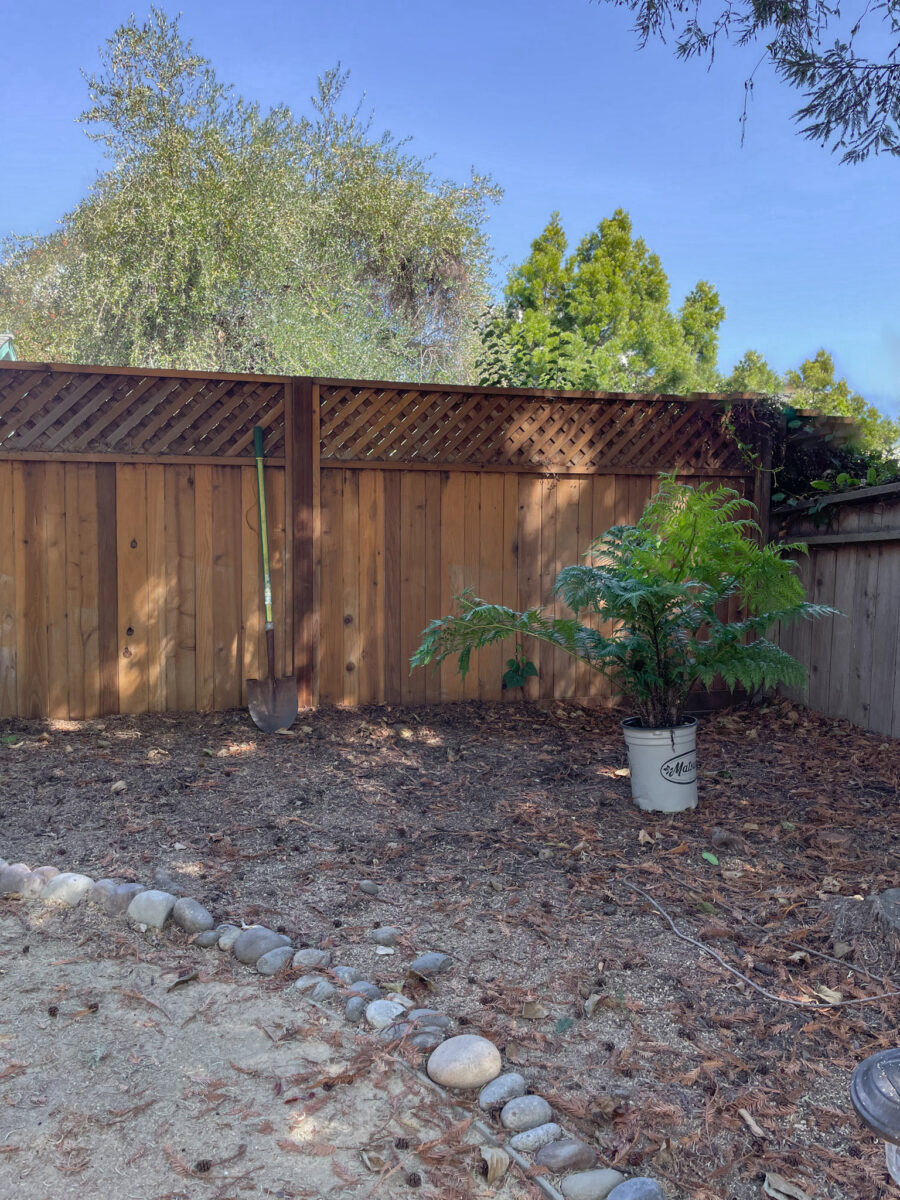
column 456, row 1064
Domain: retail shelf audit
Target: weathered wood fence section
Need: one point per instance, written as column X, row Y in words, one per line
column 129, row 542
column 852, row 661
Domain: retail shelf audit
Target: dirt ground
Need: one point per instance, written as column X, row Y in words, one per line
column 504, row 835
column 116, row 1085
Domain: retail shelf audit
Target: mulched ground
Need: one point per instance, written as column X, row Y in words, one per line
column 504, row 835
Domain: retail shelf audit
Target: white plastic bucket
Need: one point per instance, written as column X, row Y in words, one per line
column 663, row 764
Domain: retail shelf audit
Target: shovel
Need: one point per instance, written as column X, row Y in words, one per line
column 272, row 702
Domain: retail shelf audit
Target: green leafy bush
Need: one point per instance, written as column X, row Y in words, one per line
column 663, row 583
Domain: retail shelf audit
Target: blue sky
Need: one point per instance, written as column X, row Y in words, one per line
column 552, row 98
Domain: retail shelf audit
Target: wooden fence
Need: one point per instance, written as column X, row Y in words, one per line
column 129, row 559
column 852, row 661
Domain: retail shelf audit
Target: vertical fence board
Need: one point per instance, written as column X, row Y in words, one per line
column 204, row 596
column 471, row 564
column 8, row 611
column 453, row 561
column 529, row 569
column 252, row 615
column 54, row 502
column 371, row 586
column 181, row 589
column 412, row 581
column 276, row 511
column 159, row 646
column 83, row 658
column 432, row 575
column 133, row 589
column 393, row 633
column 226, row 584
column 31, row 590
column 550, row 659
column 509, row 594
column 350, row 587
column 331, row 632
column 884, row 701
column 567, row 550
column 489, row 665
column 107, row 588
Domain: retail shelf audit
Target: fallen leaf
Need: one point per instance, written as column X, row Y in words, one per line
column 119, row 786
column 828, row 994
column 495, row 1163
column 645, row 838
column 709, row 857
column 591, row 1003
column 534, row 1011
column 373, row 1162
column 780, row 1188
column 750, row 1123
column 516, row 1052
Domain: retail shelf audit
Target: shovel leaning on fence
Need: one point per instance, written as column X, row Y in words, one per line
column 272, row 702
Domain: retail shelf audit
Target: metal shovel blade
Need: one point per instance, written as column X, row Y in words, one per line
column 272, row 703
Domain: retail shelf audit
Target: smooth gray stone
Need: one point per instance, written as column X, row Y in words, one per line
column 355, row 1007
column 367, row 886
column 568, row 1154
column 427, row 1040
column 228, row 935
column 256, row 941
column 11, row 879
column 641, row 1188
column 525, row 1112
column 47, row 872
column 385, row 936
column 347, row 975
column 500, row 1090
column 430, row 964
column 119, row 899
column 272, row 961
column 531, row 1140
column 101, row 889
column 31, row 886
column 465, row 1061
column 382, row 1013
column 306, row 982
column 191, row 916
column 208, row 939
column 323, row 990
column 887, row 906
column 591, row 1185
column 68, row 888
column 3, row 863
column 151, row 908
column 309, row 957
column 429, row 1018
column 363, row 987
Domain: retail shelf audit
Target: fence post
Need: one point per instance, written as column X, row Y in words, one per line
column 302, row 464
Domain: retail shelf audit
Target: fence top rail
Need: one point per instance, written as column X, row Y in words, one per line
column 883, row 491
column 138, row 372
column 534, row 393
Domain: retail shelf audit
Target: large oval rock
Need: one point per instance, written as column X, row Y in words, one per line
column 68, row 888
column 347, row 975
column 207, row 940
column 228, row 935
column 430, row 964
column 365, row 988
column 525, row 1112
column 591, row 1185
column 531, row 1140
column 429, row 1018
column 101, row 890
column 11, row 878
column 47, row 872
column 31, row 886
column 465, row 1061
column 568, row 1154
column 121, row 896
column 382, row 1013
column 272, row 961
column 256, row 941
column 642, row 1188
column 151, row 908
column 310, row 957
column 500, row 1090
column 191, row 916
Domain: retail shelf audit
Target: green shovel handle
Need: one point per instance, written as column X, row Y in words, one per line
column 263, row 522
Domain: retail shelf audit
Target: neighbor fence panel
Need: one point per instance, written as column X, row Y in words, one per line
column 129, row 556
column 852, row 660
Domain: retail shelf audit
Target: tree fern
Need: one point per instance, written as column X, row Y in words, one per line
column 664, row 584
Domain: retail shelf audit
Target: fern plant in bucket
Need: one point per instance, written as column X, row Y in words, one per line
column 663, row 584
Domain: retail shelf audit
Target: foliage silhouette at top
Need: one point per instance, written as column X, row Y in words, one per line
column 598, row 319
column 664, row 583
column 847, row 70
column 225, row 237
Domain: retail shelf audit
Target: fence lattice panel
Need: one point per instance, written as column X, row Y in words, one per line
column 84, row 411
column 379, row 423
